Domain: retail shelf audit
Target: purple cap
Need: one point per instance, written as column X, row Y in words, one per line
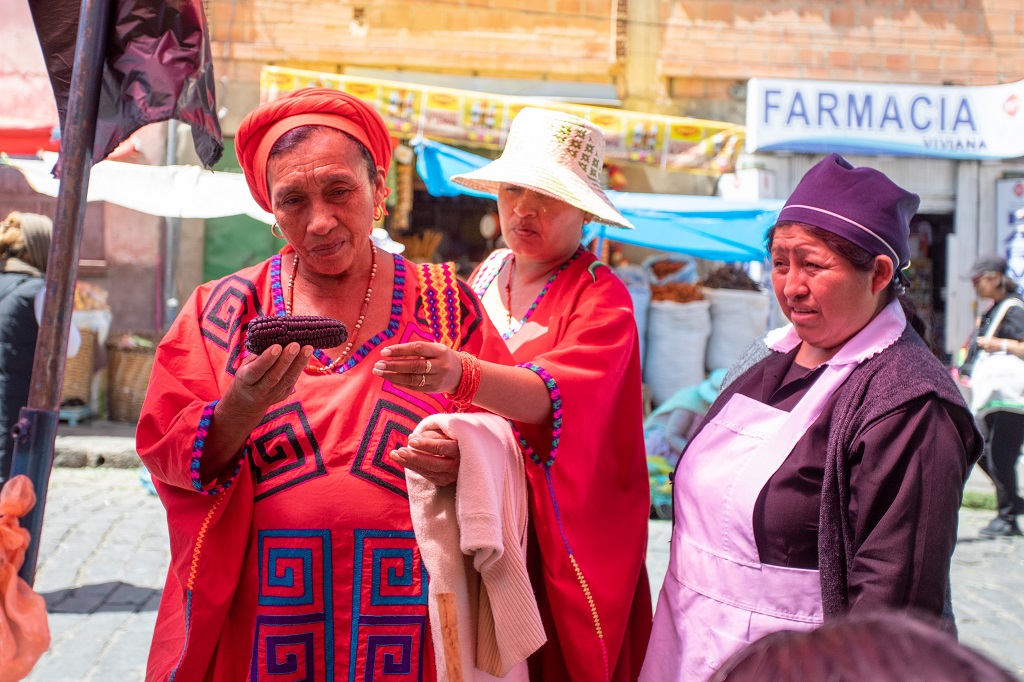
column 861, row 205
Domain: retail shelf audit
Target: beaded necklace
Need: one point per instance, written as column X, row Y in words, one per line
column 508, row 289
column 329, row 368
column 536, row 302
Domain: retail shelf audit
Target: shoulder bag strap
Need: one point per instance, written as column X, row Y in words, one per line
column 997, row 319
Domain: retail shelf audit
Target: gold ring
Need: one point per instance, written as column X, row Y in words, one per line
column 427, row 370
column 423, row 380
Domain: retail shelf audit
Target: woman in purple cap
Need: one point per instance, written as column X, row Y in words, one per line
column 827, row 477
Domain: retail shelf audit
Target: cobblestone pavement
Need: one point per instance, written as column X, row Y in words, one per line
column 988, row 587
column 102, row 561
column 104, row 556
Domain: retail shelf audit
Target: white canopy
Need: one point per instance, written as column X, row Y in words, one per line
column 169, row 191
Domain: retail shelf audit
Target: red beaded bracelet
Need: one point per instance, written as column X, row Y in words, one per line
column 469, row 383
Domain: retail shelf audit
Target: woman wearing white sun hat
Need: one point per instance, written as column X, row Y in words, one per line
column 566, row 317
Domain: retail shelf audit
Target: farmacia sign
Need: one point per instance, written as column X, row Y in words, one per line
column 985, row 122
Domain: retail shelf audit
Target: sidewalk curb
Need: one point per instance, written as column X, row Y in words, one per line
column 117, row 452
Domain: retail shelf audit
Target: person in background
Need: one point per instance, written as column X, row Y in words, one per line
column 1001, row 330
column 292, row 549
column 880, row 647
column 827, row 478
column 24, row 250
column 567, row 318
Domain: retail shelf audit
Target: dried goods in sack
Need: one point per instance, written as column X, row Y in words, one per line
column 677, row 292
column 730, row 277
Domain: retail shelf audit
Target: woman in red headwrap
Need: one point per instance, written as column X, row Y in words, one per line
column 292, row 547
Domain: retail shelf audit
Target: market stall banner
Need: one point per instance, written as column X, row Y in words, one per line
column 28, row 120
column 482, row 120
column 169, row 191
column 436, row 163
column 983, row 122
column 704, row 227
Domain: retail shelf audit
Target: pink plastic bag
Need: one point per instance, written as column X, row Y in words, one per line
column 24, row 630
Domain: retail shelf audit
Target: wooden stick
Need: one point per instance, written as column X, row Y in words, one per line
column 450, row 635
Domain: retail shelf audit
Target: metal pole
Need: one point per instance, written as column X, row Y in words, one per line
column 172, row 235
column 37, row 428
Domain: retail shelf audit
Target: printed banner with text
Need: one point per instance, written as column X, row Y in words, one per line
column 478, row 119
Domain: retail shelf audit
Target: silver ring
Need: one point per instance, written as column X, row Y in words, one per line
column 427, row 370
column 423, row 380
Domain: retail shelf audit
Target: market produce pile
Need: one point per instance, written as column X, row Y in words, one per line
column 663, row 268
column 679, row 292
column 90, row 297
column 730, row 277
column 725, row 277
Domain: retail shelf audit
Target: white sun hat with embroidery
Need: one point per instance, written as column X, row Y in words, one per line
column 553, row 153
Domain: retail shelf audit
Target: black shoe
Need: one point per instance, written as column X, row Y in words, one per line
column 1000, row 528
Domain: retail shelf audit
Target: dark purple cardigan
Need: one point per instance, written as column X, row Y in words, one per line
column 877, row 387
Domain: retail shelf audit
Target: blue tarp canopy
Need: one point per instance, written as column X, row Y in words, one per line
column 703, row 227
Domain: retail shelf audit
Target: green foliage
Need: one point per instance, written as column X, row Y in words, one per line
column 977, row 500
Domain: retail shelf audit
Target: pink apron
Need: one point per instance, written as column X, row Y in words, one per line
column 717, row 596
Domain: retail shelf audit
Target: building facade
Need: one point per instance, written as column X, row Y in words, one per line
column 689, row 58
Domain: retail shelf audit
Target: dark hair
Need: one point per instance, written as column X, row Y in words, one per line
column 879, row 646
column 1009, row 284
column 296, row 136
column 864, row 262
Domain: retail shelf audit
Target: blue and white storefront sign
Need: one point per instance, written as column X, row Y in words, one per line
column 984, row 122
column 1010, row 225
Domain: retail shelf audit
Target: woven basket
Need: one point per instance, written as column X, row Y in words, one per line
column 78, row 371
column 129, row 370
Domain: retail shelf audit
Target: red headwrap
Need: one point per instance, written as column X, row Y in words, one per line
column 313, row 106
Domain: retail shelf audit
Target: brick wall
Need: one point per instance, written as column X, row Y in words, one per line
column 698, row 49
column 966, row 42
column 569, row 39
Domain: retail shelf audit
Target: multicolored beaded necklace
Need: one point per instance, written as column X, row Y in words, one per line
column 515, row 327
column 330, row 367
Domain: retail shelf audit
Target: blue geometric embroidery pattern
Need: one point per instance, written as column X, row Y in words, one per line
column 233, row 300
column 389, row 578
column 278, row 577
column 389, row 428
column 284, row 452
column 295, row 624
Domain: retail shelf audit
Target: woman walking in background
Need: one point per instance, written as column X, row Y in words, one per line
column 24, row 251
column 998, row 391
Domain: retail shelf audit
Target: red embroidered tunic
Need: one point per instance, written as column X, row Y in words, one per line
column 302, row 566
column 589, row 493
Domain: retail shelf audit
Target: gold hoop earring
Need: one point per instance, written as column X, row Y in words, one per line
column 275, row 230
column 378, row 212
